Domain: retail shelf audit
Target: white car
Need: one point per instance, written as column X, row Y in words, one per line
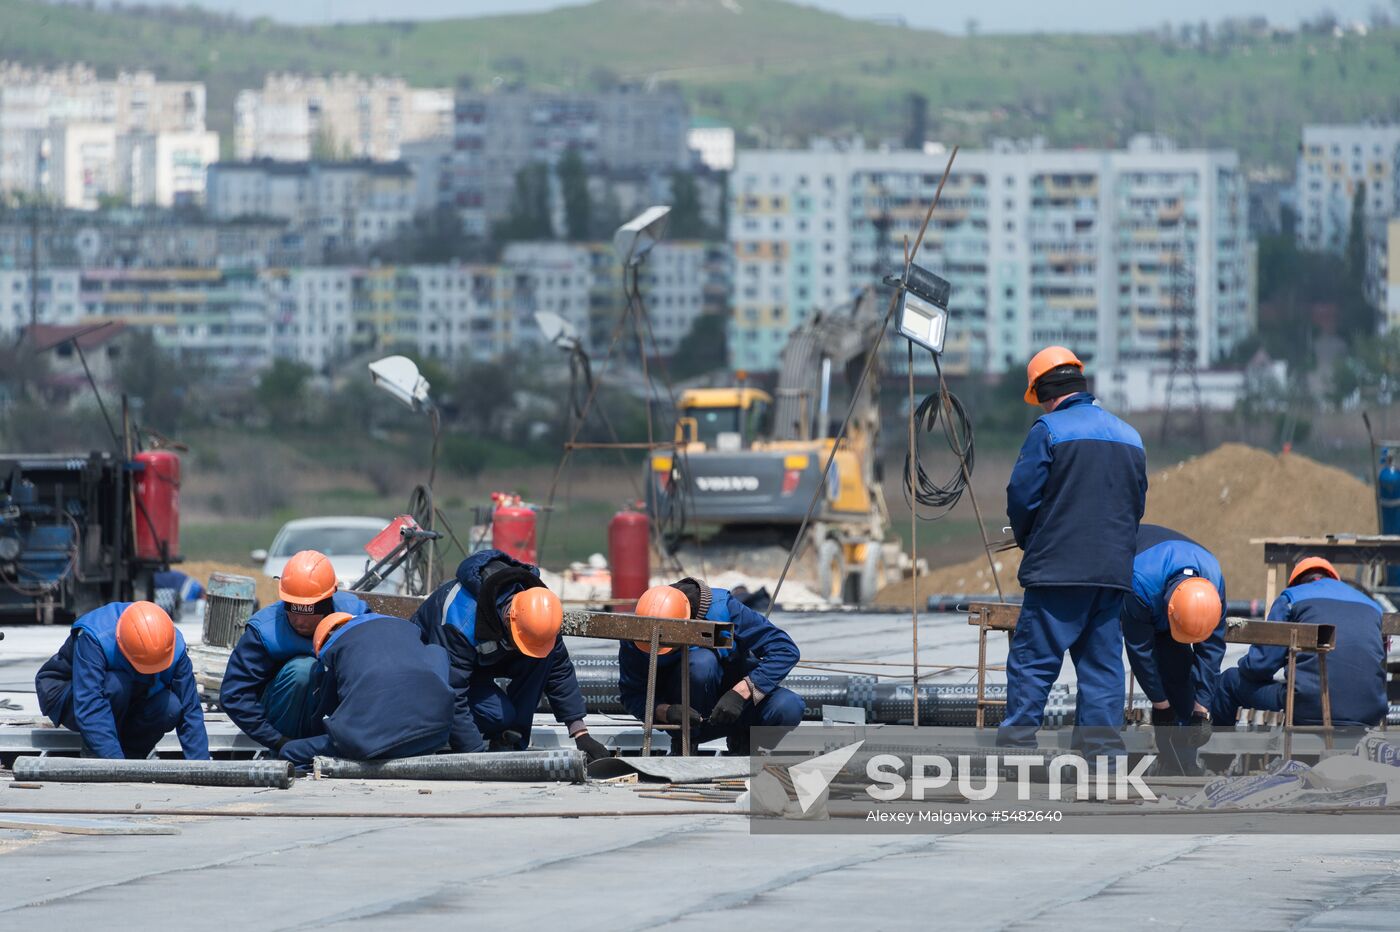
column 342, row 539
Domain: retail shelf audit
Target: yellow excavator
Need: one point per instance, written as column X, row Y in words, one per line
column 747, row 463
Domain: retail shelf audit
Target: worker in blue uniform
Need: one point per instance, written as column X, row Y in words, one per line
column 1174, row 629
column 499, row 622
column 122, row 680
column 1075, row 499
column 270, row 687
column 731, row 689
column 1355, row 666
column 384, row 692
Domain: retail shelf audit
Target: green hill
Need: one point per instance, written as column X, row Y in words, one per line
column 779, row 71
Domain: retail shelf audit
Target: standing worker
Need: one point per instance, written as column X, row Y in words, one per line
column 1355, row 666
column 499, row 622
column 1076, row 496
column 384, row 693
column 122, row 680
column 1174, row 628
column 731, row 690
column 270, row 685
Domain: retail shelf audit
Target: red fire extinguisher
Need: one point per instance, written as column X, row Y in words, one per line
column 513, row 528
column 629, row 554
column 157, row 505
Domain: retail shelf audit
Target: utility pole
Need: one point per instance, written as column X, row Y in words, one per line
column 34, row 262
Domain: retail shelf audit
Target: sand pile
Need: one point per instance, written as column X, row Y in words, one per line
column 1222, row 499
column 200, row 570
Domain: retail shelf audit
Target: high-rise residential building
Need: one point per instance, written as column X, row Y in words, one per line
column 77, row 139
column 1383, row 270
column 296, row 118
column 497, row 133
column 1126, row 256
column 343, row 206
column 1333, row 162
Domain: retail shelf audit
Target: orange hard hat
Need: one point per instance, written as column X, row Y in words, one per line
column 326, row 627
column 146, row 637
column 307, row 578
column 1194, row 610
column 1313, row 563
column 662, row 602
column 1052, row 357
column 535, row 616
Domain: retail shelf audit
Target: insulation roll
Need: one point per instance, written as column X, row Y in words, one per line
column 556, row 765
column 273, row 773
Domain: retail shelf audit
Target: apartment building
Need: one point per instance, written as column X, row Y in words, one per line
column 1124, row 255
column 297, row 118
column 1333, row 161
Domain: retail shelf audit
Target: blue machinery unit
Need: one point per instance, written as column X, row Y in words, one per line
column 66, row 536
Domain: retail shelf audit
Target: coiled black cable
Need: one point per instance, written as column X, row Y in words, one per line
column 920, row 491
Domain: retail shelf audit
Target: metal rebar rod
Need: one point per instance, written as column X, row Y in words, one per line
column 557, row 764
column 343, row 814
column 271, row 773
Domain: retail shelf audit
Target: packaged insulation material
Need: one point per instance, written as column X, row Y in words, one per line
column 1376, row 748
column 1368, row 795
column 1276, row 786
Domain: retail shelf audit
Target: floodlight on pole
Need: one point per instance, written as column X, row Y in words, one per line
column 634, row 239
column 399, row 377
column 923, row 307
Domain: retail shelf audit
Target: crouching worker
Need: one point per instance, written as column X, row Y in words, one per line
column 122, row 680
column 499, row 622
column 731, row 690
column 270, row 686
column 384, row 693
column 1355, row 666
column 1174, row 629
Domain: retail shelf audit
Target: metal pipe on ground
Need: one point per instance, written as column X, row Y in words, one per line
column 269, row 773
column 556, row 765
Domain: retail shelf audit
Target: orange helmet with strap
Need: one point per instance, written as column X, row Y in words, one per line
column 535, row 616
column 307, row 578
column 326, row 628
column 1047, row 360
column 1309, row 564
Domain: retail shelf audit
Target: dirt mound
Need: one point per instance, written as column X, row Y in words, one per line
column 200, row 570
column 1221, row 499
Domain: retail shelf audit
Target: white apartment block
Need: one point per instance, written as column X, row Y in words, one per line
column 296, row 118
column 713, row 142
column 74, row 138
column 1383, row 271
column 1332, row 162
column 1098, row 250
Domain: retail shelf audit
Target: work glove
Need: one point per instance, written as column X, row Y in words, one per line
column 506, row 741
column 674, row 713
column 728, row 709
column 1165, row 716
column 1199, row 731
column 592, row 747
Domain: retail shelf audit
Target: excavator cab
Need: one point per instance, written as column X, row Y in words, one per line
column 722, row 419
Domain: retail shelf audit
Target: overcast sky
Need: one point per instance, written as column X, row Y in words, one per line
column 992, row 15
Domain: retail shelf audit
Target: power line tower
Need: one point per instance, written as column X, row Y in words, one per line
column 1183, row 375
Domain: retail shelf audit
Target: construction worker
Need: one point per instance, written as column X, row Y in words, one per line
column 270, row 685
column 384, row 693
column 1076, row 495
column 499, row 622
column 731, row 690
column 1174, row 628
column 122, row 680
column 1355, row 666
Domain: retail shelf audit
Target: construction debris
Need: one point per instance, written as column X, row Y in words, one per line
column 1222, row 500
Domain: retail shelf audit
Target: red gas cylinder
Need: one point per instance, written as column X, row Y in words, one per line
column 157, row 505
column 629, row 554
column 513, row 529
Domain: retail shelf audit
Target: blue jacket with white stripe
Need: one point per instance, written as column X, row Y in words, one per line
column 1355, row 667
column 1076, row 496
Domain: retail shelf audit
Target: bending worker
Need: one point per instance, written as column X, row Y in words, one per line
column 384, row 693
column 498, row 621
column 731, row 690
column 1355, row 666
column 270, row 687
column 1174, row 628
column 122, row 680
column 1075, row 498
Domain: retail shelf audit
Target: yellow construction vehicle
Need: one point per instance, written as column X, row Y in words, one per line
column 746, row 462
